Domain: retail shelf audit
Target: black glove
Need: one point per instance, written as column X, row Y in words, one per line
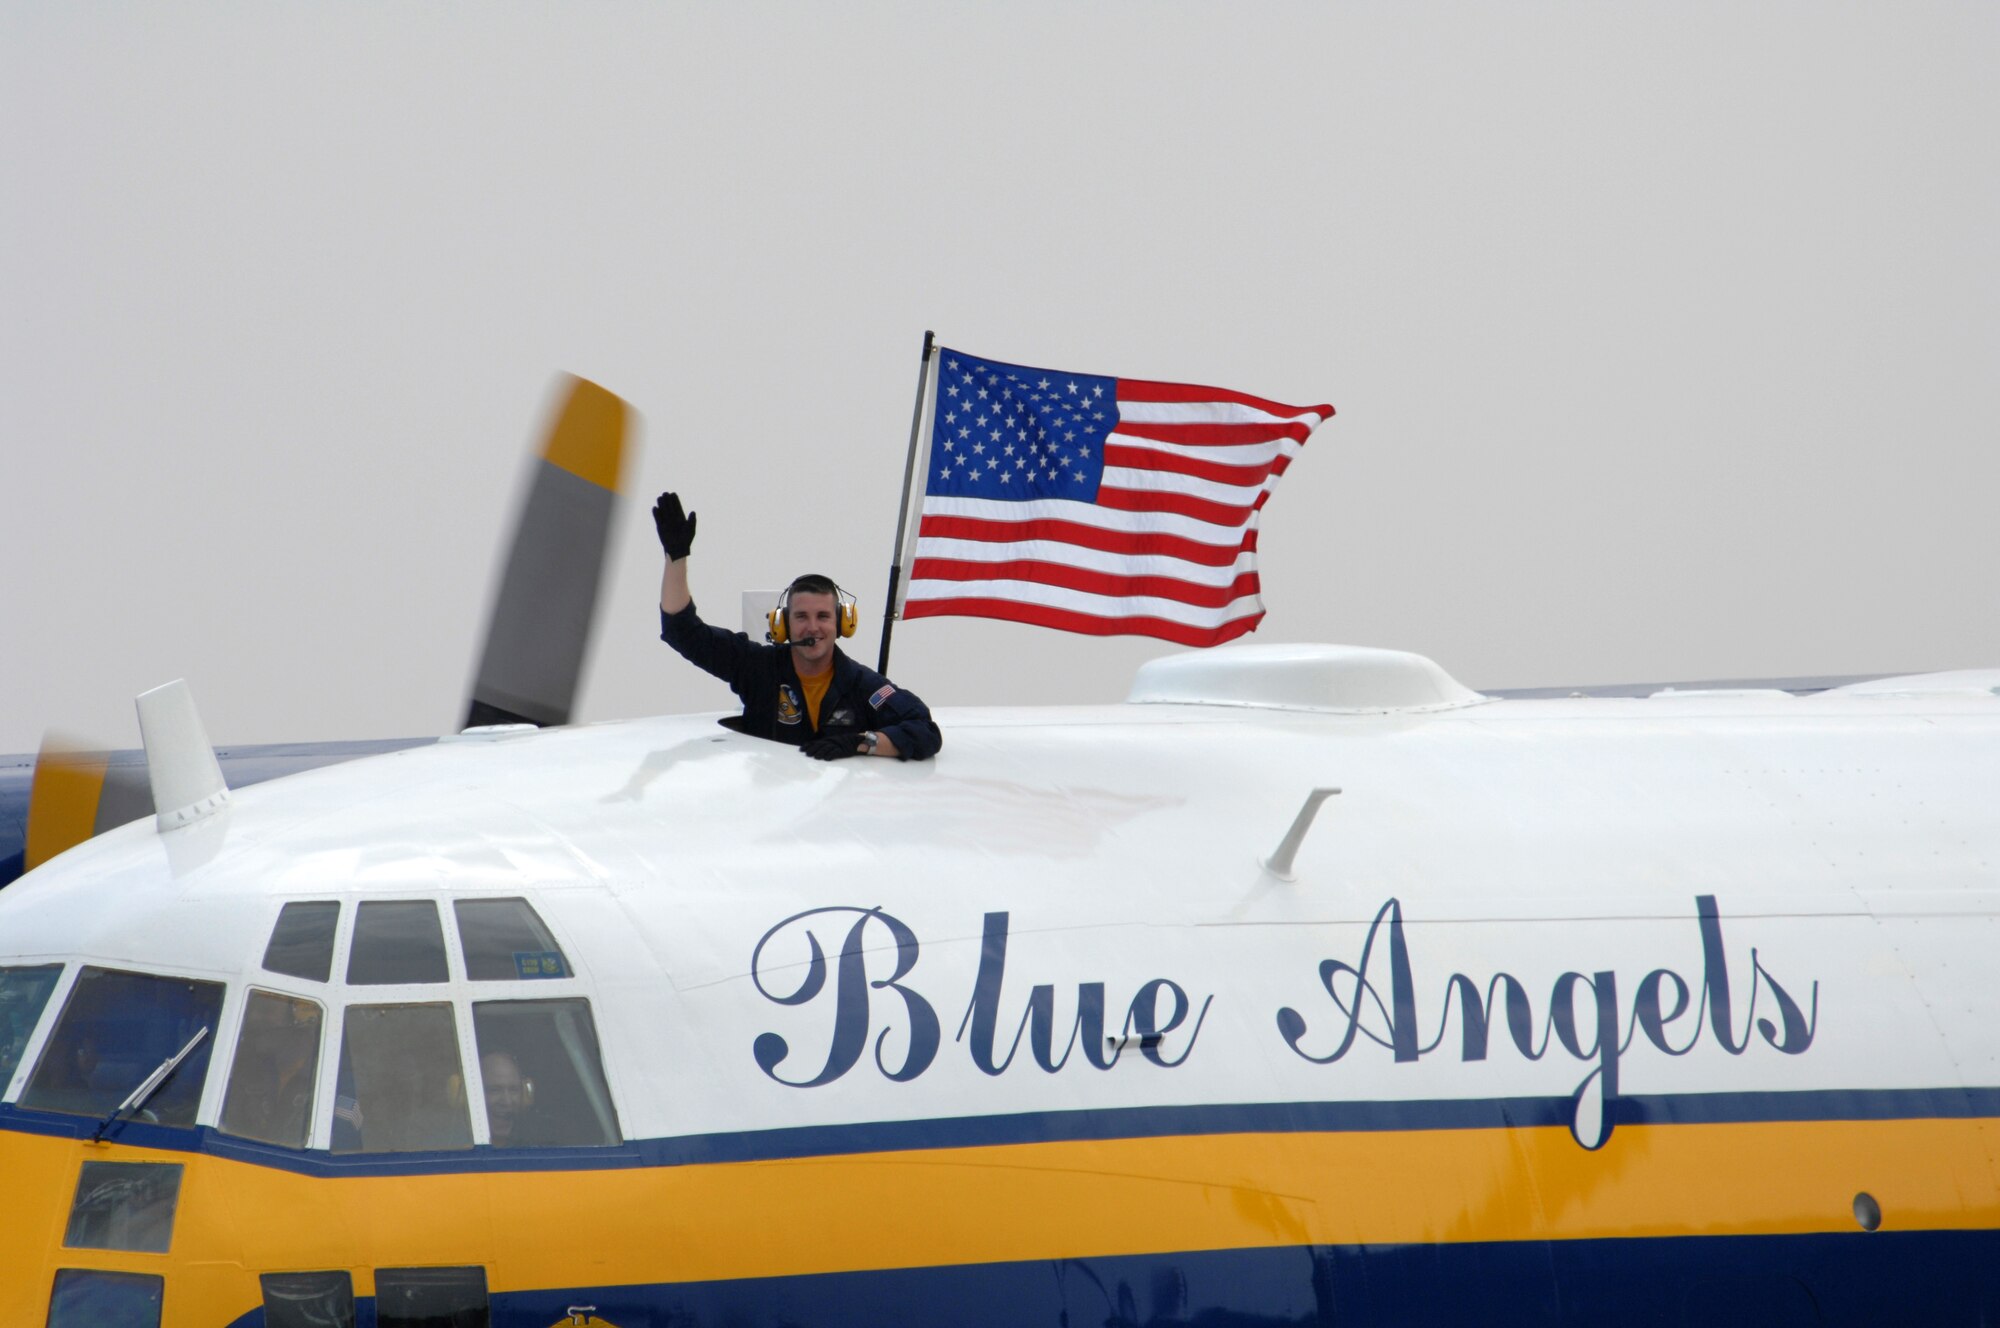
column 834, row 745
column 675, row 526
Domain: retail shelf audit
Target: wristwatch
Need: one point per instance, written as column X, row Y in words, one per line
column 869, row 740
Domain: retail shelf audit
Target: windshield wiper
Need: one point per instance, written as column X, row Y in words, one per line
column 151, row 1085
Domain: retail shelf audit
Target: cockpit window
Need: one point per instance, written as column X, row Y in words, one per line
column 431, row 1298
column 544, row 1080
column 308, row 1300
column 396, row 942
column 401, row 1087
column 124, row 1206
column 23, row 993
column 504, row 941
column 277, row 1062
column 87, row 1298
column 302, row 942
column 114, row 1031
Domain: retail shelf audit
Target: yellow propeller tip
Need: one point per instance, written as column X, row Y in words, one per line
column 62, row 801
column 588, row 439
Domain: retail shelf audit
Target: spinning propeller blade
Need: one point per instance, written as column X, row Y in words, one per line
column 79, row 792
column 536, row 640
column 539, row 630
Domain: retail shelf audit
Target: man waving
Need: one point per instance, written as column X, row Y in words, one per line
column 802, row 688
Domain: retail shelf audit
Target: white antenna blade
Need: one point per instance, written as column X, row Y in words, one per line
column 187, row 781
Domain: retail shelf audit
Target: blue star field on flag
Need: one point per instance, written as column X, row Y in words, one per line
column 1005, row 432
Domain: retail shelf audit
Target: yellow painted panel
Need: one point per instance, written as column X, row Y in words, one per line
column 1080, row 1199
column 40, row 1178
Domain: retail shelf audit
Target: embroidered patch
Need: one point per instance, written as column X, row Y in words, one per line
column 882, row 694
column 842, row 716
column 788, row 704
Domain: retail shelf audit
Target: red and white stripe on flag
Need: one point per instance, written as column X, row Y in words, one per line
column 1163, row 544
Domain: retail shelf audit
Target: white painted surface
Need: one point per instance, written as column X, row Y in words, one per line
column 1852, row 843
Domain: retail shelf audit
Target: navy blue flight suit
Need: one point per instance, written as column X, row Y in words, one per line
column 774, row 704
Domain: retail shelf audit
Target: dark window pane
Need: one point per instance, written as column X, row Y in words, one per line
column 124, row 1206
column 504, row 941
column 302, row 942
column 277, row 1061
column 308, row 1300
column 543, row 1078
column 396, row 942
column 430, row 1298
column 117, row 1028
column 23, row 993
column 401, row 1088
column 105, row 1300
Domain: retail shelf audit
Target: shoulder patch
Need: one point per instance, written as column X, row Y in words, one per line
column 882, row 693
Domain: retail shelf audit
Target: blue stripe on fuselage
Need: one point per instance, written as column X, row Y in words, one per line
column 1058, row 1126
column 1884, row 1277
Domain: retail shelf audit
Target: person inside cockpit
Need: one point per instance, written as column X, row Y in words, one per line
column 72, row 1078
column 510, row 1100
column 802, row 688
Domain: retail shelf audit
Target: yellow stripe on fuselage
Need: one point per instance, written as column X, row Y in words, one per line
column 974, row 1205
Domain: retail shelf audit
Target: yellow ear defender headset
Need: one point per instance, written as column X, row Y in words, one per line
column 778, row 621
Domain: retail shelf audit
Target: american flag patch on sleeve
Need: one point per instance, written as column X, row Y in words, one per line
column 883, row 693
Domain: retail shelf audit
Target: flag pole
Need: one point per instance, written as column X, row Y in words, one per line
column 903, row 511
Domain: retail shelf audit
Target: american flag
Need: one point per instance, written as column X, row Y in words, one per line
column 1109, row 506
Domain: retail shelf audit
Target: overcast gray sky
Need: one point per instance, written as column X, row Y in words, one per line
column 1663, row 336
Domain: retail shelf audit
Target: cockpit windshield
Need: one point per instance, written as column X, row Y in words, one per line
column 505, row 941
column 23, row 993
column 277, row 1060
column 302, row 942
column 116, row 1029
column 395, row 942
column 543, row 1077
column 401, row 1088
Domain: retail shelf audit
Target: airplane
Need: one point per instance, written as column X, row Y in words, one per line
column 1305, row 986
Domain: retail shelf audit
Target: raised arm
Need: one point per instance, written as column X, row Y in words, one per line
column 715, row 650
column 676, row 530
